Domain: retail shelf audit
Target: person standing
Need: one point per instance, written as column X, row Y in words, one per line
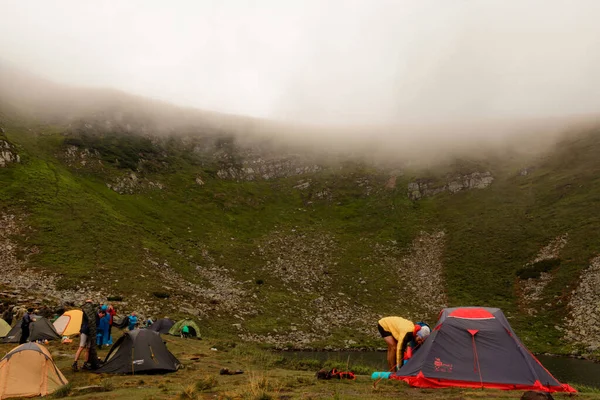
column 92, row 320
column 84, row 341
column 133, row 320
column 25, row 322
column 111, row 312
column 102, row 336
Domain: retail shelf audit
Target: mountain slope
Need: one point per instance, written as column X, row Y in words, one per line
column 270, row 244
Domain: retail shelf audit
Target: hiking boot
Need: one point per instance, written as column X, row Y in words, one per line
column 87, row 366
column 74, row 366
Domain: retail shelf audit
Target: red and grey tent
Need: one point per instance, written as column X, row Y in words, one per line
column 475, row 347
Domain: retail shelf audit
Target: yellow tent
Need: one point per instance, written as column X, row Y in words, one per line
column 69, row 323
column 28, row 371
column 4, row 328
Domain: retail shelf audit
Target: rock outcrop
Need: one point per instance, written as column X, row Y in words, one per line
column 8, row 154
column 260, row 168
column 130, row 183
column 81, row 157
column 424, row 188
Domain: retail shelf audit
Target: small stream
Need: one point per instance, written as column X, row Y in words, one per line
column 566, row 370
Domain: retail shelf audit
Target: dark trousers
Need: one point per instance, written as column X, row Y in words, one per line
column 24, row 335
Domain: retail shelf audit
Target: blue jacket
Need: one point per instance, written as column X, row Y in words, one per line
column 132, row 321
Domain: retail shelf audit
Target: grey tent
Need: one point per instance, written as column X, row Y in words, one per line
column 162, row 325
column 120, row 321
column 475, row 347
column 40, row 329
column 139, row 351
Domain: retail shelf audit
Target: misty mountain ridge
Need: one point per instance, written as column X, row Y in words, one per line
column 418, row 144
column 296, row 236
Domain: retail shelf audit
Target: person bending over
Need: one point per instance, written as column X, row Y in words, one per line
column 402, row 337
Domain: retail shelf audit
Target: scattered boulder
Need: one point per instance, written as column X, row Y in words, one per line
column 526, row 171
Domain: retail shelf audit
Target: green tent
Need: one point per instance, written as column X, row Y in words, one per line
column 4, row 328
column 191, row 324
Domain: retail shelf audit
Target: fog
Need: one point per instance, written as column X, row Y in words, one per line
column 336, row 62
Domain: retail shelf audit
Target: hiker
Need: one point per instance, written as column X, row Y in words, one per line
column 111, row 312
column 88, row 332
column 7, row 315
column 84, row 341
column 25, row 322
column 149, row 322
column 102, row 335
column 185, row 332
column 133, row 319
column 402, row 338
column 18, row 312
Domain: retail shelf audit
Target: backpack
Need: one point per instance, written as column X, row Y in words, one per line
column 335, row 374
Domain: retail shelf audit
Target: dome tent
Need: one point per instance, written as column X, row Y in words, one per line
column 475, row 347
column 139, row 351
column 4, row 328
column 162, row 325
column 120, row 321
column 40, row 329
column 69, row 323
column 27, row 371
column 191, row 324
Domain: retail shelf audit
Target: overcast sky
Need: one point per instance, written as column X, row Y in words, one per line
column 322, row 61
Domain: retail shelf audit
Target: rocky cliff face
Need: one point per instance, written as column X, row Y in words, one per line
column 425, row 188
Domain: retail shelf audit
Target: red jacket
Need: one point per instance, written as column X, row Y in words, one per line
column 111, row 311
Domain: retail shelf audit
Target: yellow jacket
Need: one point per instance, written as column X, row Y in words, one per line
column 398, row 327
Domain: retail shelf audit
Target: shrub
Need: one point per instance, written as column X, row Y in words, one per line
column 206, row 383
column 107, row 385
column 161, row 295
column 188, row 393
column 535, row 270
column 63, row 391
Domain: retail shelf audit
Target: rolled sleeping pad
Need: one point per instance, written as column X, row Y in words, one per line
column 380, row 375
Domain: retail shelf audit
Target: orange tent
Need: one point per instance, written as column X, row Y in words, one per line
column 28, row 371
column 69, row 323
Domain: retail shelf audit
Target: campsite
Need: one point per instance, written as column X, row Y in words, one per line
column 189, row 368
column 253, row 195
column 266, row 376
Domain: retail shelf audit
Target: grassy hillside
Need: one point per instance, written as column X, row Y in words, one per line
column 273, row 257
